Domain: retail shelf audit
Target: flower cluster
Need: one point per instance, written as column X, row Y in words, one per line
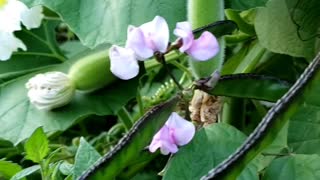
column 12, row 14
column 151, row 37
column 176, row 132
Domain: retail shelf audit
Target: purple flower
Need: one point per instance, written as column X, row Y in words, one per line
column 150, row 37
column 201, row 49
column 176, row 132
column 142, row 43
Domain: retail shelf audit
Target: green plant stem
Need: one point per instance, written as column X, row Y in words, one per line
column 171, row 75
column 182, row 68
column 43, row 170
column 125, row 118
column 170, row 57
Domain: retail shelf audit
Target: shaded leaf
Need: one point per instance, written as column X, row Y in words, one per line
column 297, row 166
column 109, row 19
column 283, row 30
column 26, row 172
column 210, row 146
column 250, row 86
column 20, row 118
column 8, row 169
column 42, row 51
column 85, row 157
column 245, row 4
column 132, row 146
column 302, row 92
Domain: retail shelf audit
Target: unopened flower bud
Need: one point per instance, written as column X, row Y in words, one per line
column 50, row 90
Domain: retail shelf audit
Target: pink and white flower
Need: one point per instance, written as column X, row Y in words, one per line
column 202, row 49
column 149, row 38
column 142, row 43
column 176, row 132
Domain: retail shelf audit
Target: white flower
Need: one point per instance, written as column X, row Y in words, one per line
column 11, row 44
column 123, row 63
column 50, row 90
column 13, row 12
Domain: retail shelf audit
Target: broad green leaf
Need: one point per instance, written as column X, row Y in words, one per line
column 20, row 118
column 304, row 127
column 8, row 169
column 297, row 166
column 251, row 86
column 302, row 92
column 210, row 146
column 85, row 157
column 41, row 51
column 132, row 146
column 37, row 146
column 305, row 15
column 106, row 21
column 25, row 172
column 281, row 36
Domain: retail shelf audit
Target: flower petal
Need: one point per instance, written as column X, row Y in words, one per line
column 181, row 130
column 11, row 45
column 123, row 63
column 184, row 31
column 31, row 18
column 164, row 141
column 157, row 33
column 204, row 48
column 50, row 90
column 136, row 41
column 10, row 16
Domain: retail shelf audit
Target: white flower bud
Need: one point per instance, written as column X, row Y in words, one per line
column 50, row 90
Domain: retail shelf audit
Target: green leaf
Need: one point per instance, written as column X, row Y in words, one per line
column 26, row 172
column 20, row 118
column 304, row 127
column 251, row 86
column 305, row 16
column 131, row 148
column 209, row 147
column 8, row 169
column 37, row 146
column 106, row 21
column 85, row 157
column 304, row 91
column 42, row 51
column 297, row 166
column 245, row 4
column 281, row 36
